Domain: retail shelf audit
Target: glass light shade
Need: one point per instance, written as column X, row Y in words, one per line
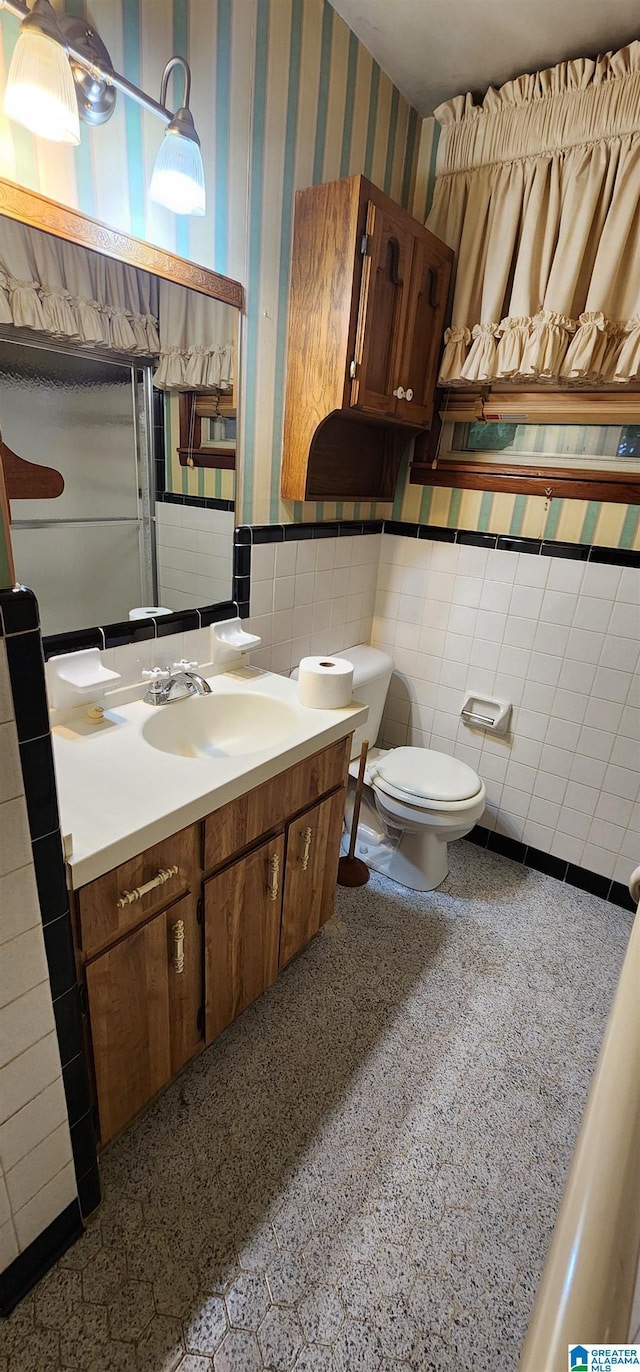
column 178, row 176
column 40, row 91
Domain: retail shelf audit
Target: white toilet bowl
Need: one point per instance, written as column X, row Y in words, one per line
column 416, row 800
column 423, row 811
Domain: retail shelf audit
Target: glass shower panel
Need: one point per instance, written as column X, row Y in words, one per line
column 86, row 553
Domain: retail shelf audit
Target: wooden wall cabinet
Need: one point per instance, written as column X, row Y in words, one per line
column 227, row 903
column 368, row 298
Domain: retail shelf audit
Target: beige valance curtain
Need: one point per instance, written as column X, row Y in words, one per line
column 197, row 341
column 538, row 192
column 63, row 290
column 67, row 292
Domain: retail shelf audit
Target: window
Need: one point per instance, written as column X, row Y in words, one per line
column 536, row 445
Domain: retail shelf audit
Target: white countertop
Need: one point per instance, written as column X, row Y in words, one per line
column 118, row 794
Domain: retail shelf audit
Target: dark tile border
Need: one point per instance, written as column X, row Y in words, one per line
column 138, row 630
column 39, row 1257
column 247, row 536
column 511, row 543
column 20, row 620
column 199, row 502
column 614, row 892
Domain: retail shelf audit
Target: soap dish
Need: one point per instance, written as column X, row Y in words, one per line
column 83, row 672
column 231, row 640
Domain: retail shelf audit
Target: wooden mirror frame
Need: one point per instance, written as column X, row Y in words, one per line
column 35, row 210
column 540, row 407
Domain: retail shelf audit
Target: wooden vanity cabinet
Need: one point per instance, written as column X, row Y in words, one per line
column 368, row 298
column 177, row 942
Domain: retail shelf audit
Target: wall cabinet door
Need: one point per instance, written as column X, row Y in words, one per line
column 144, row 995
column 383, row 308
column 430, row 275
column 242, row 906
column 313, row 849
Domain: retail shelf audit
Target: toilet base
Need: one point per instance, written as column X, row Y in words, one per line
column 417, row 860
column 407, row 862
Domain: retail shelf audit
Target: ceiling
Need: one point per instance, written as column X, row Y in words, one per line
column 434, row 49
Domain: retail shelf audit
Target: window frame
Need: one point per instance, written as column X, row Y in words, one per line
column 573, row 407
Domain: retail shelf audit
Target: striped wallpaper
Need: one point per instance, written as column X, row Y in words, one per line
column 283, row 95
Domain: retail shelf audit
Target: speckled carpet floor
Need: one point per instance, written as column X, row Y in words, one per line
column 363, row 1173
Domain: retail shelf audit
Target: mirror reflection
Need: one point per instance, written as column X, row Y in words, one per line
column 118, row 433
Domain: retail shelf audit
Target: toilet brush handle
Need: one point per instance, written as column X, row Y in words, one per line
column 358, row 797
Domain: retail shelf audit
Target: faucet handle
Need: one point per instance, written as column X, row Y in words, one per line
column 184, row 665
column 156, row 674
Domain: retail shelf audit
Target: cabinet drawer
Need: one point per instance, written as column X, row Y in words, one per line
column 269, row 806
column 110, row 906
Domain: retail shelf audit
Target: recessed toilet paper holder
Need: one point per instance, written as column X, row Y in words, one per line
column 484, row 712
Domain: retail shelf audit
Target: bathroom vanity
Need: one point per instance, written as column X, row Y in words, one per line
column 178, row 937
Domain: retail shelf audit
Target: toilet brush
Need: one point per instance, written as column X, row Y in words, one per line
column 352, row 871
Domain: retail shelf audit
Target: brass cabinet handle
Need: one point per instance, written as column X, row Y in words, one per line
column 305, row 835
column 178, row 946
column 274, row 865
column 128, row 897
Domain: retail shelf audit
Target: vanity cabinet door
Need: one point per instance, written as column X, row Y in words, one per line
column 144, row 997
column 313, row 849
column 242, row 906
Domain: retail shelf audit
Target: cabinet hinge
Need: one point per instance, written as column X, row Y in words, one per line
column 199, row 911
column 364, row 245
column 353, row 369
column 200, row 1020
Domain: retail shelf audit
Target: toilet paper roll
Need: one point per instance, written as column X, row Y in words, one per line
column 325, row 683
column 146, row 611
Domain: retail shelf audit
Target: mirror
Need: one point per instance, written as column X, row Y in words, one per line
column 118, row 425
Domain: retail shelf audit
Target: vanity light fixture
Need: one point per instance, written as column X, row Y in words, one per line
column 61, row 71
column 178, row 175
column 40, row 91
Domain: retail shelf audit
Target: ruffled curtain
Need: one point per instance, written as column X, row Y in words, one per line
column 538, row 192
column 197, row 341
column 63, row 290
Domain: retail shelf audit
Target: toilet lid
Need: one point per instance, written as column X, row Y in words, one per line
column 426, row 774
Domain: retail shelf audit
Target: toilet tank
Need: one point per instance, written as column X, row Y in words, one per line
column 372, row 671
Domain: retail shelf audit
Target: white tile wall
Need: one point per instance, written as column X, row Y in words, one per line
column 37, row 1178
column 561, row 639
column 195, row 555
column 312, row 596
column 131, row 659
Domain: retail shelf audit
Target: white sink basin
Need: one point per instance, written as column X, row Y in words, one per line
column 220, row 725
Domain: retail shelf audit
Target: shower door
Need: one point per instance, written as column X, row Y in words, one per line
column 87, row 554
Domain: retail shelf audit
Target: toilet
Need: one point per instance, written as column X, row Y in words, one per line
column 416, row 801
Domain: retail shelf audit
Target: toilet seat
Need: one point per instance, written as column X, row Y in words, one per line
column 424, row 778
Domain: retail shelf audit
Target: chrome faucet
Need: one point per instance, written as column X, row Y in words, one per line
column 164, row 680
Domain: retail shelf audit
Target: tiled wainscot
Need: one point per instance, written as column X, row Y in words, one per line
column 194, row 550
column 47, row 1155
column 557, row 635
column 312, row 595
